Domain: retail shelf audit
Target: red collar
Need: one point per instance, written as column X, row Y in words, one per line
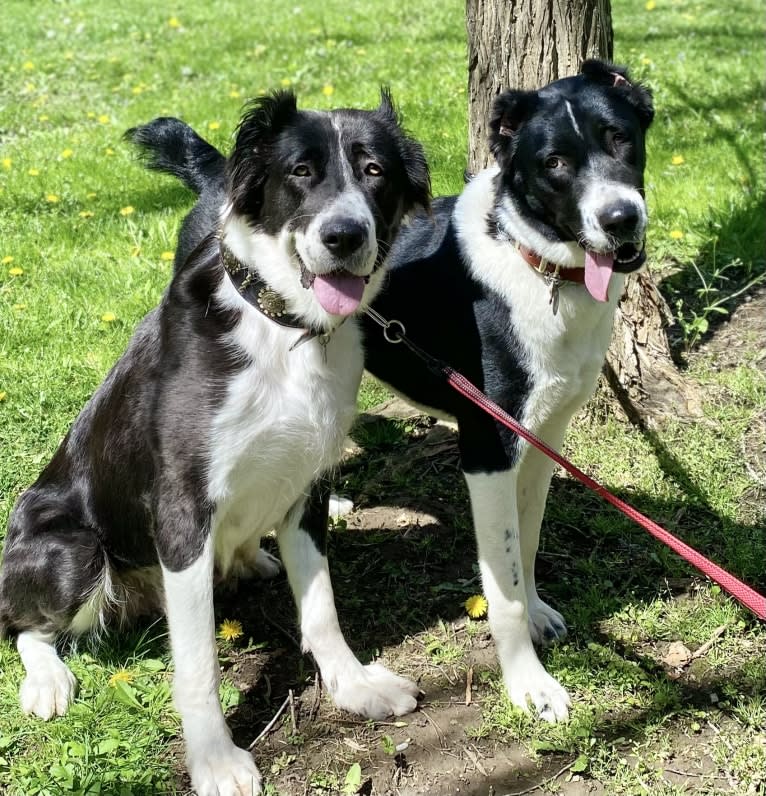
column 550, row 270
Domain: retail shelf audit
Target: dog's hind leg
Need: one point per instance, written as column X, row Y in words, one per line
column 371, row 690
column 52, row 582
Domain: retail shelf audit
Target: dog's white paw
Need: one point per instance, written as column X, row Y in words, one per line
column 227, row 772
column 266, row 566
column 375, row 692
column 340, row 507
column 531, row 683
column 546, row 624
column 48, row 689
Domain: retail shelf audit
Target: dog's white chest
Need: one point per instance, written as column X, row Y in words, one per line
column 282, row 422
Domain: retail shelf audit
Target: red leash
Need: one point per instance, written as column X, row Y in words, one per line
column 741, row 591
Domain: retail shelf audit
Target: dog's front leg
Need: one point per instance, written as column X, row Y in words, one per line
column 371, row 690
column 495, row 517
column 217, row 767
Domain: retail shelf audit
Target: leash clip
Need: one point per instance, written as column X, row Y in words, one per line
column 400, row 333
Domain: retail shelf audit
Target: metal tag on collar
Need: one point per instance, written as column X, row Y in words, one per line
column 553, row 281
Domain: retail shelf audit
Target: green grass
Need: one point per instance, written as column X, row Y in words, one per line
column 75, row 75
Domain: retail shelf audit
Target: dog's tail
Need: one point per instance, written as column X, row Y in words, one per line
column 171, row 146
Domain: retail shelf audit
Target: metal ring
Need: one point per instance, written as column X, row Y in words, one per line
column 401, row 334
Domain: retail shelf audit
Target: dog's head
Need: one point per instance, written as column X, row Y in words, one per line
column 320, row 197
column 572, row 160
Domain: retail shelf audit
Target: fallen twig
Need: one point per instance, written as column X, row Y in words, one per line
column 468, row 684
column 269, row 726
column 717, row 633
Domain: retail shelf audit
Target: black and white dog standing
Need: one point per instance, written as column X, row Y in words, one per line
column 515, row 283
column 217, row 424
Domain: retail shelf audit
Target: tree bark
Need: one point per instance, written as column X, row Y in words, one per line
column 525, row 44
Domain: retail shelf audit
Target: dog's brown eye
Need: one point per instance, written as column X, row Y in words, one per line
column 554, row 162
column 373, row 170
column 301, row 170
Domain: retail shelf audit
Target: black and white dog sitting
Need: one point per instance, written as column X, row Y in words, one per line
column 217, row 424
column 515, row 283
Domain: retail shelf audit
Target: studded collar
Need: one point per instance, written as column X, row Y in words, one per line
column 265, row 299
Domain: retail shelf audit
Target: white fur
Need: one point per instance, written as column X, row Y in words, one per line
column 282, row 423
column 372, row 690
column 215, row 764
column 572, row 118
column 49, row 686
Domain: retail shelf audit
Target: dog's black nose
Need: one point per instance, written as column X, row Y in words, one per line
column 619, row 219
column 343, row 236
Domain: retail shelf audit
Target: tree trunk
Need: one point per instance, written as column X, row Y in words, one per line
column 526, row 44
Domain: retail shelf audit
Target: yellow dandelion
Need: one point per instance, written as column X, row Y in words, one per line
column 91, row 114
column 476, row 606
column 34, row 172
column 677, row 160
column 7, row 163
column 108, row 317
column 19, row 307
column 127, row 210
column 213, row 125
column 86, row 214
column 15, row 271
column 69, row 55
column 167, row 256
column 91, row 195
column 3, row 395
column 7, row 260
column 109, row 151
column 135, row 251
column 120, row 676
column 328, row 90
column 103, row 119
column 173, row 22
column 137, row 90
column 234, row 94
column 230, row 629
column 360, row 51
column 43, row 117
column 285, row 82
column 676, row 234
column 67, row 153
column 646, row 61
column 28, row 66
column 650, row 5
column 51, row 197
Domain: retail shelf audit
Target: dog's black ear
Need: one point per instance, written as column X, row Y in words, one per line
column 617, row 77
column 418, row 195
column 247, row 167
column 509, row 112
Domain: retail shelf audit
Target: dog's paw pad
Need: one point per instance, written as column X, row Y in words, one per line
column 231, row 773
column 48, row 689
column 375, row 692
column 546, row 624
column 266, row 566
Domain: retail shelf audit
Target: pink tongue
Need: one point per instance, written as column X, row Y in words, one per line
column 339, row 293
column 598, row 271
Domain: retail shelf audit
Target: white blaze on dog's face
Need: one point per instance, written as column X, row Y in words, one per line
column 317, row 198
column 572, row 161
